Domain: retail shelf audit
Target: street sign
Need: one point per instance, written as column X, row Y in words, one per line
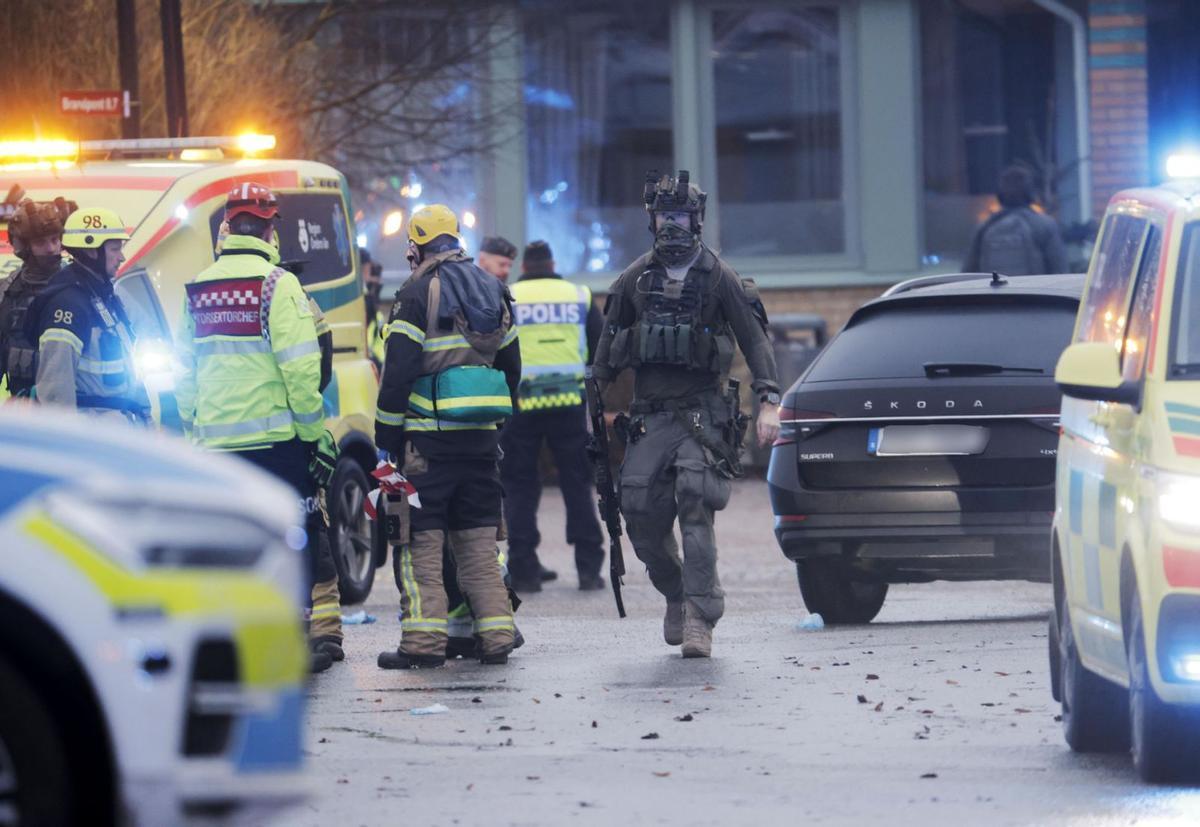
column 110, row 102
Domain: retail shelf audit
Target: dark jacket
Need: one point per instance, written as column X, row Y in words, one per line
column 1017, row 242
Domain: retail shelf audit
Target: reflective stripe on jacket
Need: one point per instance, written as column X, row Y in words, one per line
column 246, row 383
column 551, row 316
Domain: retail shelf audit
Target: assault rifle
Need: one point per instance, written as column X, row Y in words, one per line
column 610, row 507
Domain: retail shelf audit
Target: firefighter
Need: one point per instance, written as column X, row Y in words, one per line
column 450, row 376
column 84, row 336
column 35, row 231
column 675, row 317
column 251, row 383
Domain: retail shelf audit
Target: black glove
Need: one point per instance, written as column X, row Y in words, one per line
column 322, row 459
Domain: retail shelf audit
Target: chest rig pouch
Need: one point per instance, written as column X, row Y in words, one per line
column 679, row 323
column 18, row 354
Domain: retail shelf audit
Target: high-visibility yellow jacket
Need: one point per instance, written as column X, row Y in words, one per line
column 246, row 383
column 551, row 316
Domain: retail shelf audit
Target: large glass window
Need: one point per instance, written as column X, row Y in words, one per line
column 988, row 100
column 1107, row 300
column 779, row 134
column 1185, row 343
column 598, row 116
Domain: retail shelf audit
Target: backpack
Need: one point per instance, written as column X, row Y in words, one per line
column 1009, row 245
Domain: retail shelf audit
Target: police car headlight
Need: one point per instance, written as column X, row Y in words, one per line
column 156, row 364
column 140, row 534
column 1179, row 501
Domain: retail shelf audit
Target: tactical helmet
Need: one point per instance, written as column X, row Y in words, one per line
column 89, row 228
column 32, row 220
column 430, row 222
column 667, row 194
column 253, row 199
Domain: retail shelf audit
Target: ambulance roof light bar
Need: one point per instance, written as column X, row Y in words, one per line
column 249, row 143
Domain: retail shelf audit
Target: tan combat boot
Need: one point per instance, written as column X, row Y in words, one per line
column 673, row 624
column 697, row 633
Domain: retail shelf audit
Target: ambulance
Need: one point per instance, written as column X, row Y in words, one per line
column 1125, row 634
column 152, row 655
column 171, row 194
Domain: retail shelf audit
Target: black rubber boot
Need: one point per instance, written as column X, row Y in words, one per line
column 498, row 659
column 403, row 660
column 318, row 662
column 330, row 646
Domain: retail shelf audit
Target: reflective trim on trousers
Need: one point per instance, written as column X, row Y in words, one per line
column 494, row 624
column 250, row 426
column 425, row 624
column 409, row 581
column 288, row 354
column 509, row 337
column 226, row 347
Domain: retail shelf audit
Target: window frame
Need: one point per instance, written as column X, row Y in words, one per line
column 704, row 125
column 1176, row 370
column 1130, row 287
column 1154, row 232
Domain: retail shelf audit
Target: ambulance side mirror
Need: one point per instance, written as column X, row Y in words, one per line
column 1092, row 370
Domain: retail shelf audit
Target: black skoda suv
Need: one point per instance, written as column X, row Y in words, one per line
column 920, row 445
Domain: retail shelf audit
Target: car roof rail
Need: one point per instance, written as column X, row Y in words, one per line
column 934, row 281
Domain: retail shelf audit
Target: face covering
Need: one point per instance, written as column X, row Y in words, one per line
column 46, row 265
column 674, row 245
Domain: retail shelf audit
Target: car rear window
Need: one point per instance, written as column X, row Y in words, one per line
column 897, row 341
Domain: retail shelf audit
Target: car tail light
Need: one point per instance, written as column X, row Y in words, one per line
column 789, row 422
column 1182, row 567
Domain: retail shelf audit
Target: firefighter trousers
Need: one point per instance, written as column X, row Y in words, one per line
column 460, row 502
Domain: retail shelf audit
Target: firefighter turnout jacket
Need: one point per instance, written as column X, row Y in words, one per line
column 442, row 379
column 248, row 344
column 85, row 345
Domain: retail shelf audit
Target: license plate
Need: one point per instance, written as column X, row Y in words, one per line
column 927, row 440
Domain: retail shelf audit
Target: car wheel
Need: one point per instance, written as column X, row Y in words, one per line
column 1163, row 739
column 830, row 590
column 1055, row 650
column 1094, row 711
column 34, row 776
column 351, row 533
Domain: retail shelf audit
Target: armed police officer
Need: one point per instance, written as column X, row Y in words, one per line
column 450, row 375
column 251, row 383
column 675, row 317
column 35, row 231
column 83, row 333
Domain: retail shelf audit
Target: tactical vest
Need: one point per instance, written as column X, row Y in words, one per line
column 678, row 323
column 467, row 322
column 18, row 353
column 551, row 319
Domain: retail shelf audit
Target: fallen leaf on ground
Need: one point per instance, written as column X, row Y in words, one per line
column 929, row 775
column 594, row 725
column 662, row 774
column 872, row 677
column 685, row 718
column 879, row 707
column 650, row 736
column 862, row 699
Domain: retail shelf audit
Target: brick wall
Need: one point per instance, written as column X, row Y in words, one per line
column 833, row 304
column 1119, row 125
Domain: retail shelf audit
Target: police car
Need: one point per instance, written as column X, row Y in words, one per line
column 1125, row 635
column 171, row 194
column 151, row 651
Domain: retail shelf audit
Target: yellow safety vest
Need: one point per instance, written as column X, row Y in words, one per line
column 551, row 316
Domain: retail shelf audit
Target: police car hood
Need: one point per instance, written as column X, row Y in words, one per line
column 43, row 450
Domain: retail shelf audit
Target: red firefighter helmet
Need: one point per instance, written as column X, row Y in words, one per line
column 252, row 198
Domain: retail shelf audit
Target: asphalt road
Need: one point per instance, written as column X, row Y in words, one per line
column 937, row 713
